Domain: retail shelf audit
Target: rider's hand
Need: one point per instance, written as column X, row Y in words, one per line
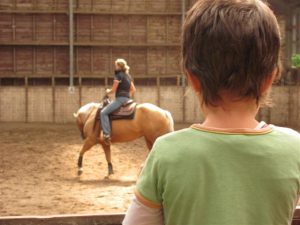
column 108, row 91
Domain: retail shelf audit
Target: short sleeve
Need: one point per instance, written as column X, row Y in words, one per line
column 149, row 187
column 118, row 77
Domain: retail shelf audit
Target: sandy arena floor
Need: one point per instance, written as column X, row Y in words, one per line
column 38, row 172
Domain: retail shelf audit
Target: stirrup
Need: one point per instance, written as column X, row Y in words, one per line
column 106, row 139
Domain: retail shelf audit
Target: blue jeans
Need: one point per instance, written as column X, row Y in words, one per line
column 114, row 105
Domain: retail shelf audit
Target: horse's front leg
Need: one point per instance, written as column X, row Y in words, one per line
column 86, row 146
column 107, row 152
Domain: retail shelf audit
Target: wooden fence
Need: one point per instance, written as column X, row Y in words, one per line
column 104, row 219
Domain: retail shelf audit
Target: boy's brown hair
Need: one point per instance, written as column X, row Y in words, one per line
column 230, row 45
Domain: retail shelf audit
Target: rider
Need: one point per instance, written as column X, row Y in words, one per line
column 122, row 87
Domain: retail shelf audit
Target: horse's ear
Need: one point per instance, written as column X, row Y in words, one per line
column 75, row 115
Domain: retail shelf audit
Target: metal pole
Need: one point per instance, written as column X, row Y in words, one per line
column 71, row 45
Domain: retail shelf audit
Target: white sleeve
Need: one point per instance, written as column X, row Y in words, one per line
column 139, row 214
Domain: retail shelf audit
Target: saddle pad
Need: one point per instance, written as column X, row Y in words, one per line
column 125, row 112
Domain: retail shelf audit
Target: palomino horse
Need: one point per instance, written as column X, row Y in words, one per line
column 149, row 122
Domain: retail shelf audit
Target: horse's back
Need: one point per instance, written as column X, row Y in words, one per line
column 158, row 117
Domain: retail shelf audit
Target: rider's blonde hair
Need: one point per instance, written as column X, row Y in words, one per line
column 123, row 65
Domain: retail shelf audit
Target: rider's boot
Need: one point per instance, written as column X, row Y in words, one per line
column 106, row 138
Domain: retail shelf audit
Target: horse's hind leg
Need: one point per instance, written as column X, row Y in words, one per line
column 86, row 146
column 107, row 152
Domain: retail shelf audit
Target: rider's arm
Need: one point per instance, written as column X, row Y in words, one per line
column 114, row 87
column 132, row 88
column 140, row 214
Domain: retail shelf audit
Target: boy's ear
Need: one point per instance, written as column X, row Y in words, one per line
column 269, row 81
column 194, row 82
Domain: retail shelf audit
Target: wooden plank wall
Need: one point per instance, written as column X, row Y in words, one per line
column 34, row 44
column 34, row 37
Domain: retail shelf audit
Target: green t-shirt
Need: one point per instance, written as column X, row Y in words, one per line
column 210, row 177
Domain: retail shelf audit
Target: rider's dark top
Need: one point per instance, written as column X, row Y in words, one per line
column 124, row 79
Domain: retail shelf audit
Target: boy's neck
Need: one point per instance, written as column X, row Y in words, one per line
column 231, row 114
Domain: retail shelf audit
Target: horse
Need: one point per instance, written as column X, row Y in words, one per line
column 150, row 122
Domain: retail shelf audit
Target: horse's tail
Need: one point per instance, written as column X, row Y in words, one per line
column 170, row 119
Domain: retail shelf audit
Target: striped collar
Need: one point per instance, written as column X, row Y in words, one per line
column 262, row 128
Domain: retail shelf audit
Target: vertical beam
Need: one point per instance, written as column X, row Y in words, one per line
column 183, row 8
column 80, row 90
column 92, row 59
column 294, row 35
column 288, row 40
column 14, row 27
column 14, row 61
column 92, row 28
column 54, row 5
column 53, row 84
column 54, row 27
column 0, row 98
column 53, row 99
column 147, row 41
column 54, row 61
column 71, row 43
column 34, row 64
column 77, row 59
column 167, row 29
column 166, row 61
column 297, row 12
column 34, row 5
column 26, row 99
column 158, row 89
column 14, row 39
column 14, row 4
column 34, row 27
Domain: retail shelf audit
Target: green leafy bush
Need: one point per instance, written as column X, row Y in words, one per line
column 296, row 61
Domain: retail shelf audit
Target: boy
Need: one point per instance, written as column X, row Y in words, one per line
column 231, row 169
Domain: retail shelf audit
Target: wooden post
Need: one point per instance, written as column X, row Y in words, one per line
column 14, row 27
column 26, row 99
column 34, row 64
column 53, row 99
column 80, row 90
column 92, row 59
column 183, row 7
column 53, row 84
column 92, row 5
column 34, row 5
column 54, row 61
column 147, row 41
column 54, row 27
column 14, row 4
column 14, row 61
column 92, row 29
column 34, row 27
column 158, row 90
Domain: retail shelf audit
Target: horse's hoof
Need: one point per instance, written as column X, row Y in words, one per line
column 106, row 177
column 80, row 171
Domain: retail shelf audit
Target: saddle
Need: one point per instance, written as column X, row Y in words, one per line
column 126, row 111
